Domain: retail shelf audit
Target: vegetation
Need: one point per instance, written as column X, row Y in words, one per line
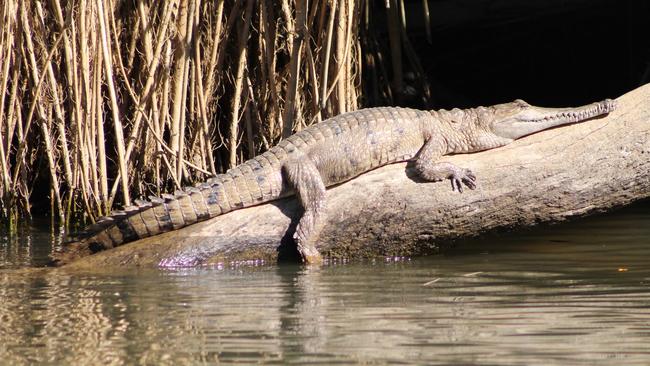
column 104, row 101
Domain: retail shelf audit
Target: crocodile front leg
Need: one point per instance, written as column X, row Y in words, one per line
column 430, row 169
column 308, row 184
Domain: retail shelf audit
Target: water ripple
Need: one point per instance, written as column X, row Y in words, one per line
column 570, row 294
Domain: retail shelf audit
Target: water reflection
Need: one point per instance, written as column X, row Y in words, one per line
column 562, row 295
column 30, row 245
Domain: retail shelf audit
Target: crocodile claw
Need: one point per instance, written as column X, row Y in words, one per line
column 307, row 250
column 465, row 177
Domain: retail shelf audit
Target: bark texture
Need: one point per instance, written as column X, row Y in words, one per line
column 551, row 176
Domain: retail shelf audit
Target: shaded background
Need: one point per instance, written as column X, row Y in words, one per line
column 556, row 52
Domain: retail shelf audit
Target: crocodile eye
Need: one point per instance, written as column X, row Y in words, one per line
column 521, row 103
column 456, row 115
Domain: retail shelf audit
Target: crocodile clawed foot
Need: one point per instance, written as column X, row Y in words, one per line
column 308, row 252
column 310, row 255
column 463, row 176
column 305, row 239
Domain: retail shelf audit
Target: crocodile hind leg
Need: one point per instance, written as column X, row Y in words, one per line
column 308, row 184
column 434, row 171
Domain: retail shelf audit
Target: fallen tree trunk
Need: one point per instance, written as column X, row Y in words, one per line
column 547, row 177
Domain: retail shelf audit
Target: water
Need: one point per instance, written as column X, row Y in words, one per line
column 566, row 294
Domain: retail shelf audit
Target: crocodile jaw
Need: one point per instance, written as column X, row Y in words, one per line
column 531, row 119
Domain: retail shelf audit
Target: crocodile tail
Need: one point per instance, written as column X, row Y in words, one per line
column 154, row 216
column 256, row 181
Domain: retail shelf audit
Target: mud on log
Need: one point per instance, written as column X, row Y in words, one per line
column 547, row 177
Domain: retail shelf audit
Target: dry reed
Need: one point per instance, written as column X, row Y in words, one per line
column 136, row 98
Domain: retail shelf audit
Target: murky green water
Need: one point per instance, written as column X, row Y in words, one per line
column 568, row 294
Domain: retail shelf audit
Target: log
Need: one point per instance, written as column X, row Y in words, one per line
column 551, row 176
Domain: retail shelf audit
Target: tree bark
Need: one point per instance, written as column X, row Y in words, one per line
column 551, row 176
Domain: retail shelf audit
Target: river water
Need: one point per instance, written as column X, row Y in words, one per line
column 576, row 293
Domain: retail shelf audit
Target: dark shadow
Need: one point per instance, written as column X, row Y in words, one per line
column 486, row 52
column 287, row 251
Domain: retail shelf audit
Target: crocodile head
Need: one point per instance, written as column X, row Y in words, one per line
column 517, row 119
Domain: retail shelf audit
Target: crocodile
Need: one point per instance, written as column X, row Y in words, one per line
column 332, row 152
